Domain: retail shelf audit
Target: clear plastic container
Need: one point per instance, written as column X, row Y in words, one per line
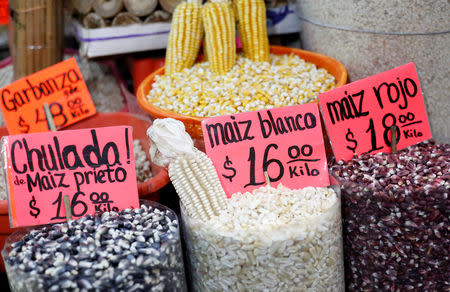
column 302, row 256
column 396, row 237
column 370, row 37
column 157, row 266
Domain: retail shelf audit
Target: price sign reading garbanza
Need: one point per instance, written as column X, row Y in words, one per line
column 94, row 167
column 286, row 142
column 359, row 115
column 61, row 86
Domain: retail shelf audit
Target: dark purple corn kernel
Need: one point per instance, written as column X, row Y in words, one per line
column 396, row 218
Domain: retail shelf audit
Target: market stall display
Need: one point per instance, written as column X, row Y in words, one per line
column 136, row 249
column 398, row 239
column 277, row 229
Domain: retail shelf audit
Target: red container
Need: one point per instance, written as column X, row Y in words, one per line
column 148, row 189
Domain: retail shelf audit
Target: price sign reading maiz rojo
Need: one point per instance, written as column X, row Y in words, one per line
column 61, row 86
column 93, row 167
column 286, row 142
column 359, row 115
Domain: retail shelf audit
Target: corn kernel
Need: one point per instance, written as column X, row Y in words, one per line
column 286, row 80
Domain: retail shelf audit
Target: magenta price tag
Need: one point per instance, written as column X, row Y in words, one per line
column 359, row 115
column 286, row 142
column 93, row 167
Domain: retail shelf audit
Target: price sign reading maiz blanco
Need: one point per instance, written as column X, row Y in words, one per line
column 286, row 142
column 61, row 86
column 359, row 115
column 93, row 167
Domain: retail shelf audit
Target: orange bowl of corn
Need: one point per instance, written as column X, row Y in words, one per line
column 152, row 99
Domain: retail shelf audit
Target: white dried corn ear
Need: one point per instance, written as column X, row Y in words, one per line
column 197, row 184
column 191, row 171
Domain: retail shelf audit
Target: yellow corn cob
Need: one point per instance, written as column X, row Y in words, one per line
column 197, row 184
column 185, row 36
column 220, row 35
column 252, row 28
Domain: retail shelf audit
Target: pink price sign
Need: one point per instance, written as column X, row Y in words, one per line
column 94, row 167
column 286, row 142
column 359, row 115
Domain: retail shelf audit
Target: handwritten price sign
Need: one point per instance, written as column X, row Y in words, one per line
column 286, row 142
column 359, row 115
column 61, row 86
column 94, row 167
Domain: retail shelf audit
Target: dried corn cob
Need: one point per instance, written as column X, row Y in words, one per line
column 220, row 35
column 251, row 16
column 185, row 36
column 197, row 184
column 191, row 171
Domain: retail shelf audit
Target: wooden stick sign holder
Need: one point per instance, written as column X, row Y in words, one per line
column 267, row 179
column 394, row 139
column 52, row 127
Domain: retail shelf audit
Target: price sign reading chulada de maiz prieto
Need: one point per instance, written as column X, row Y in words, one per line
column 286, row 142
column 359, row 115
column 93, row 167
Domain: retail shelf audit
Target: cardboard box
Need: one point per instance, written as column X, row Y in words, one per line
column 121, row 39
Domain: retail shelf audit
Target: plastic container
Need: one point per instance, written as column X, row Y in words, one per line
column 303, row 256
column 5, row 231
column 370, row 37
column 159, row 266
column 141, row 68
column 193, row 124
column 148, row 189
column 395, row 231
